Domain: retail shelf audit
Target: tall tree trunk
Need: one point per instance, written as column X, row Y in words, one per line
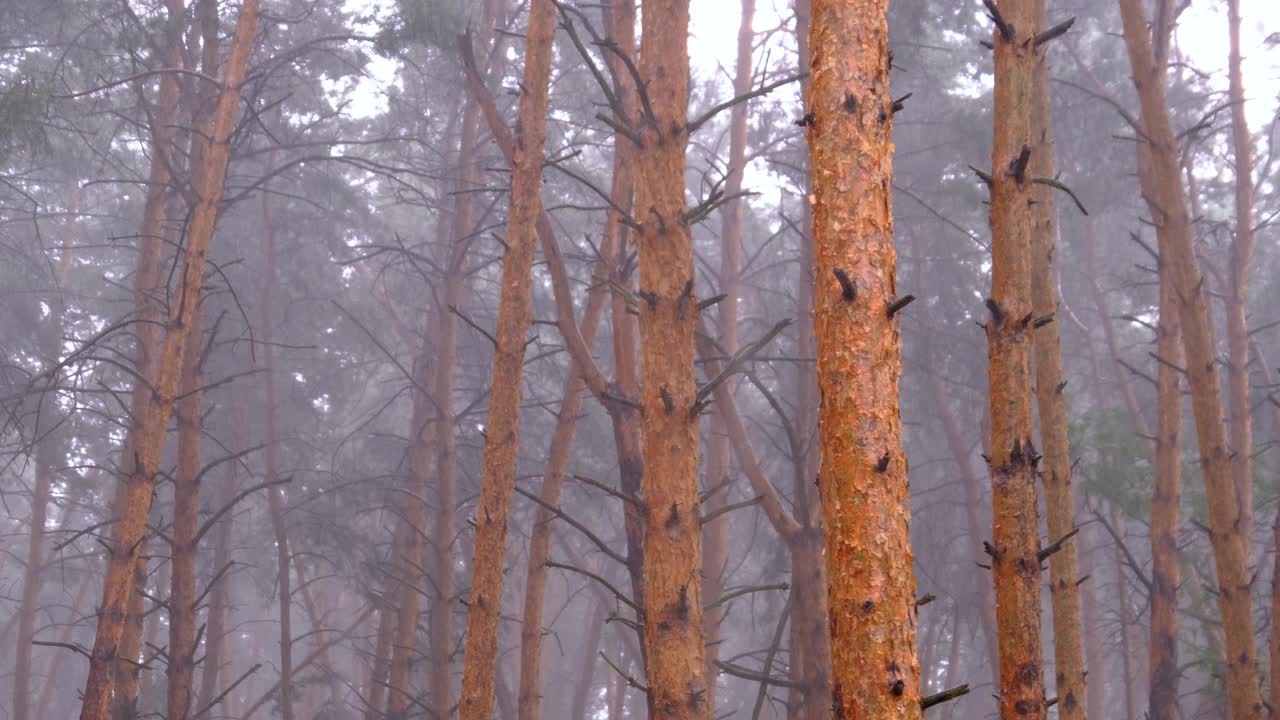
column 53, row 676
column 271, row 451
column 1015, row 542
column 715, row 538
column 48, row 449
column 501, row 432
column 672, row 596
column 186, row 521
column 1165, row 502
column 1051, row 402
column 863, row 475
column 1168, row 203
column 154, row 413
column 1238, row 292
column 531, row 633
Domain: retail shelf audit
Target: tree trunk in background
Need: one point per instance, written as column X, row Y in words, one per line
column 531, row 632
column 809, row 629
column 1165, row 503
column 715, row 534
column 186, row 522
column 276, row 501
column 220, row 596
column 501, row 432
column 672, row 600
column 379, row 672
column 153, row 415
column 48, row 457
column 1051, row 402
column 973, row 504
column 1168, row 203
column 1238, row 291
column 53, row 676
column 863, row 474
column 1015, row 542
column 587, row 666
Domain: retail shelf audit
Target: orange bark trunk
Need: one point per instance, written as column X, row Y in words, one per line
column 1168, row 202
column 1015, row 542
column 501, row 432
column 1051, row 402
column 672, row 594
column 863, row 475
column 153, row 415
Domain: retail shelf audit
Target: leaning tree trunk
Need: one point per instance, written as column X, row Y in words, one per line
column 1015, row 542
column 1051, row 402
column 153, row 415
column 672, row 596
column 1168, row 203
column 863, row 472
column 715, row 538
column 501, row 433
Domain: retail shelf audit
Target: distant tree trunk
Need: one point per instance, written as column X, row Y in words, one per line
column 53, row 676
column 1168, row 203
column 809, row 629
column 863, row 475
column 220, row 596
column 270, row 452
column 672, row 595
column 1015, row 542
column 379, row 673
column 1165, row 502
column 961, row 452
column 531, row 632
column 501, row 432
column 48, row 449
column 1126, row 636
column 1238, row 292
column 186, row 521
column 715, row 533
column 1051, row 402
column 153, row 415
column 587, row 666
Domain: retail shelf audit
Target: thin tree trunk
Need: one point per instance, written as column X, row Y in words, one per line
column 1015, row 542
column 186, row 521
column 1051, row 402
column 1165, row 503
column 501, row 432
column 220, row 596
column 54, row 679
column 1168, row 203
column 271, row 450
column 587, row 665
column 672, row 598
column 1238, row 292
column 863, row 474
column 153, row 415
column 715, row 538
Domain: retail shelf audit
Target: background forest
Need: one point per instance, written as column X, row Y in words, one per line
column 316, row 529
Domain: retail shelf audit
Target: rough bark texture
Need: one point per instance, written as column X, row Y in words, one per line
column 155, row 412
column 863, row 474
column 672, row 595
column 1168, row 203
column 715, row 534
column 501, row 438
column 1015, row 542
column 1051, row 403
column 1238, row 291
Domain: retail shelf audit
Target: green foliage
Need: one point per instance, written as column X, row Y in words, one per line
column 1115, row 464
column 435, row 23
